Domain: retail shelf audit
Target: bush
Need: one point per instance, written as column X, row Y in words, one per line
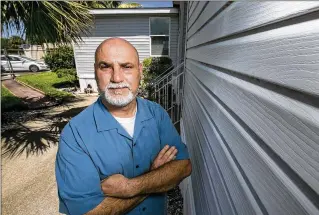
column 61, row 57
column 152, row 68
column 68, row 74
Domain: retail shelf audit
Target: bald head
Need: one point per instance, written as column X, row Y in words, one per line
column 117, row 71
column 114, row 42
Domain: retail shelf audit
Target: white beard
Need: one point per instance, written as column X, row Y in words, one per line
column 117, row 100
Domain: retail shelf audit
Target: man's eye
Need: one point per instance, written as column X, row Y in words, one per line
column 128, row 67
column 104, row 66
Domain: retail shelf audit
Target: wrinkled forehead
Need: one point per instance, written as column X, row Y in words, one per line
column 119, row 51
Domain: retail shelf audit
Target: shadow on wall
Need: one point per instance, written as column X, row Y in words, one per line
column 19, row 138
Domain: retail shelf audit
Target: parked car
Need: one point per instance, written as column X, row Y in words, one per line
column 22, row 63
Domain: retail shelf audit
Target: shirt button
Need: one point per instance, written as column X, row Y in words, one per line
column 134, row 144
column 144, row 209
column 137, row 166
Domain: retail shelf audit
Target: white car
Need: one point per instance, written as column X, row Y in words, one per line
column 22, row 63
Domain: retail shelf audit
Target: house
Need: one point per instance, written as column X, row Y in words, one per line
column 153, row 32
column 247, row 75
column 250, row 114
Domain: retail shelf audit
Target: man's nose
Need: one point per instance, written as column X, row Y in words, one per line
column 117, row 75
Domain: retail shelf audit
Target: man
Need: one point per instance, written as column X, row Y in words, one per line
column 121, row 154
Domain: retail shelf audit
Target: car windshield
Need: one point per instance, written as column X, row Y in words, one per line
column 26, row 58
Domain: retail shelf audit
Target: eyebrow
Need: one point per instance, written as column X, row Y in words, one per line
column 121, row 64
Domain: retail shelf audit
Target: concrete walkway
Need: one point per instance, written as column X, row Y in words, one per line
column 33, row 98
column 22, row 91
column 28, row 156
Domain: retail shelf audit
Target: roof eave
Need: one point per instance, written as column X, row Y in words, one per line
column 134, row 11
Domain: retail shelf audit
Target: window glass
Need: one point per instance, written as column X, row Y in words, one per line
column 159, row 45
column 23, row 57
column 159, row 25
column 11, row 58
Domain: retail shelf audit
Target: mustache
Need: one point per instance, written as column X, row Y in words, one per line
column 118, row 85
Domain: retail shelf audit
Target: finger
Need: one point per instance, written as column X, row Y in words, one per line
column 171, row 156
column 162, row 152
column 168, row 153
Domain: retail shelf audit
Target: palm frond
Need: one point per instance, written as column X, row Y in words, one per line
column 130, row 5
column 47, row 21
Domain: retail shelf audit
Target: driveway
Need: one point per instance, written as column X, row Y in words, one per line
column 29, row 147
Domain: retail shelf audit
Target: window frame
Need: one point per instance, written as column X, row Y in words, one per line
column 162, row 35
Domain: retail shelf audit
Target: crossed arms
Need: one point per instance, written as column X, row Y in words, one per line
column 124, row 194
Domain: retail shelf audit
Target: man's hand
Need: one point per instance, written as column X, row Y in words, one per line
column 118, row 185
column 166, row 155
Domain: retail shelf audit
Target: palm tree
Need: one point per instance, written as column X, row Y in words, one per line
column 130, row 5
column 50, row 21
column 101, row 4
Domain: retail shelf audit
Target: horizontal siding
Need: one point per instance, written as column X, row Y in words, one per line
column 174, row 39
column 251, row 108
column 134, row 29
column 243, row 16
column 192, row 8
column 209, row 11
column 196, row 12
column 290, row 50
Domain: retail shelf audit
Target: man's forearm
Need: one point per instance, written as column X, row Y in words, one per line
column 162, row 179
column 116, row 206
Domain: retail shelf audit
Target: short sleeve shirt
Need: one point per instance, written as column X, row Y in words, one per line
column 93, row 146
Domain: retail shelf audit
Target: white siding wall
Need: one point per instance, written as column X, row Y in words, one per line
column 134, row 29
column 251, row 108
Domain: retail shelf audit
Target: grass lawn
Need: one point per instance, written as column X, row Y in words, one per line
column 48, row 82
column 10, row 102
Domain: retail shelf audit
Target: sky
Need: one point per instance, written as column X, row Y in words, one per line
column 145, row 4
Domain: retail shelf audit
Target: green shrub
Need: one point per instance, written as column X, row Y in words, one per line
column 68, row 74
column 61, row 57
column 152, row 68
column 155, row 66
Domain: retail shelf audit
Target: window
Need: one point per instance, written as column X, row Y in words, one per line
column 11, row 58
column 26, row 58
column 159, row 34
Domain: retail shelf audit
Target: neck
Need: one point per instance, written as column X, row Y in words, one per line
column 122, row 112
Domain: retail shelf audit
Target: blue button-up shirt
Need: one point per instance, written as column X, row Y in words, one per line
column 93, row 146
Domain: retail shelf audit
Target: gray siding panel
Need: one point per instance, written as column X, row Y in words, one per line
column 251, row 109
column 290, row 50
column 210, row 10
column 192, row 8
column 134, row 29
column 243, row 16
column 196, row 12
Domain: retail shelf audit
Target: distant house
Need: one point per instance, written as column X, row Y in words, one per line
column 153, row 32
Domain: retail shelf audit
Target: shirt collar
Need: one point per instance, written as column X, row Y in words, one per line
column 105, row 121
